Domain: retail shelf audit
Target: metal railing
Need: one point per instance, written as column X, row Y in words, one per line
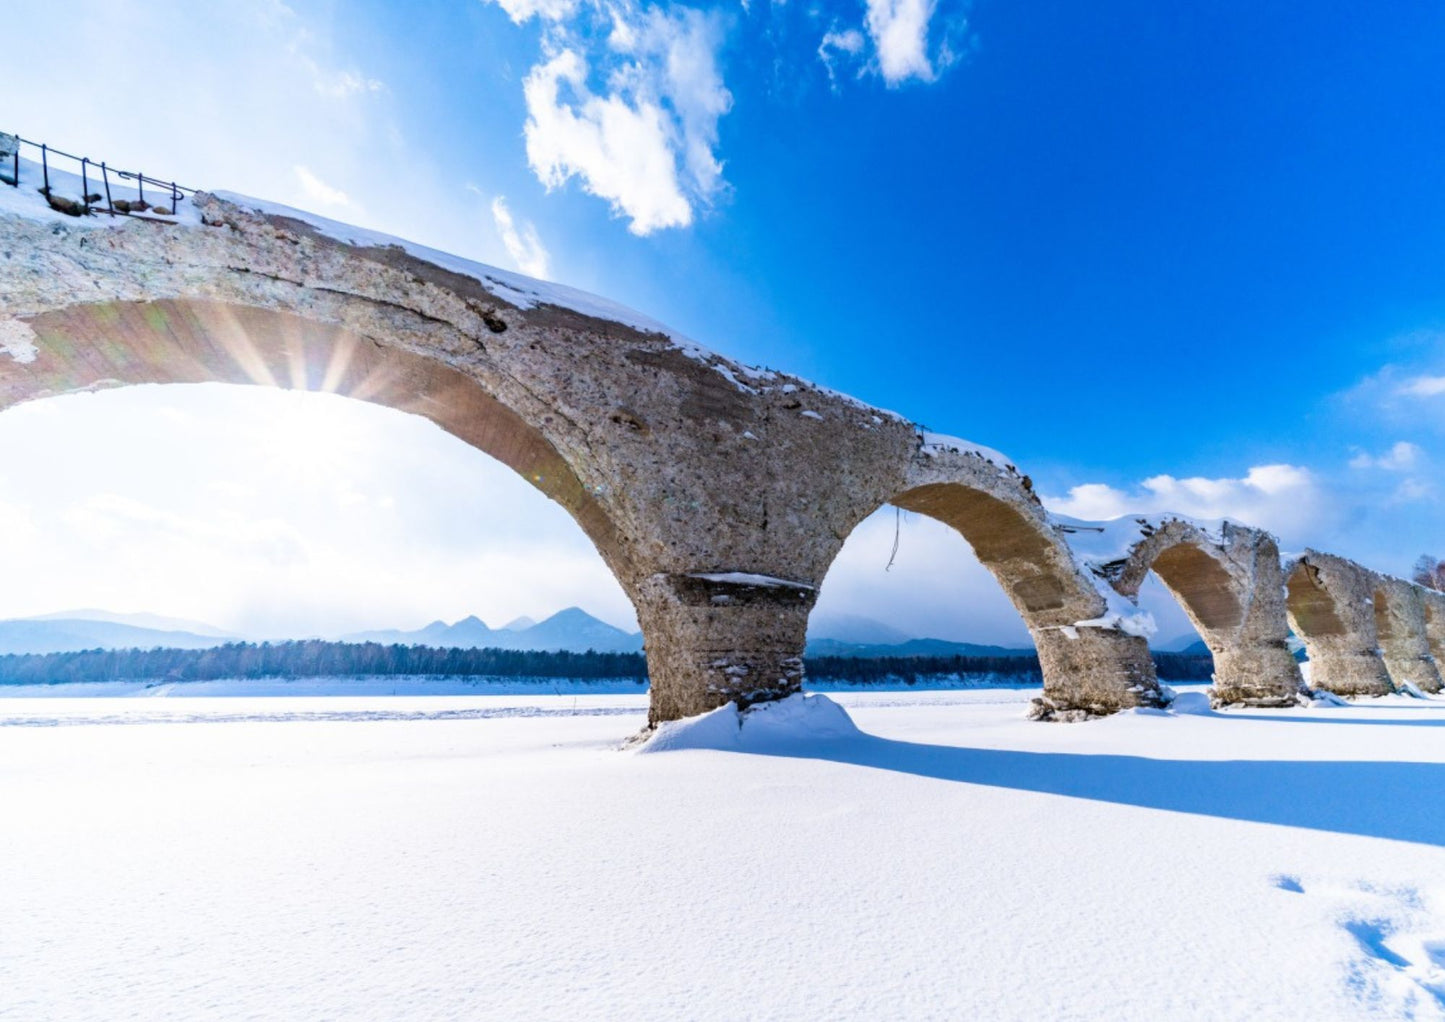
column 90, row 202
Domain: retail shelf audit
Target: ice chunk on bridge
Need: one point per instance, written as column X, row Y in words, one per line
column 747, row 578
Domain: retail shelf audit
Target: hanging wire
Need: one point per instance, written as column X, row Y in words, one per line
column 897, row 532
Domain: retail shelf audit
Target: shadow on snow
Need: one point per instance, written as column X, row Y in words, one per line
column 1373, row 799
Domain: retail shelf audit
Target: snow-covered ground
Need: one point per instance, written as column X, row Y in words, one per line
column 478, row 857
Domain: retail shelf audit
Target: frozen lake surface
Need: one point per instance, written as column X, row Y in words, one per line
column 478, row 857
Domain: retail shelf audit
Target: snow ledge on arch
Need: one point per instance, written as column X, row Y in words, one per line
column 797, row 721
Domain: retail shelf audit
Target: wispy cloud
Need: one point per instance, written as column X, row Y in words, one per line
column 318, row 191
column 834, row 44
column 522, row 242
column 1401, row 457
column 1423, row 386
column 341, row 84
column 1283, row 498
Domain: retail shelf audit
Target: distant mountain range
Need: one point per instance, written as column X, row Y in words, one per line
column 55, row 634
column 71, row 631
column 910, row 647
column 572, row 629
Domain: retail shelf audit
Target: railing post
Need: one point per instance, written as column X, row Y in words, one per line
column 141, row 184
column 105, row 176
column 84, row 184
column 45, row 168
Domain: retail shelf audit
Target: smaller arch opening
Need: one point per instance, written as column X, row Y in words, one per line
column 1310, row 603
column 1201, row 585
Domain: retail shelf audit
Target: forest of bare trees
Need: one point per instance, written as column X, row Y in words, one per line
column 1429, row 571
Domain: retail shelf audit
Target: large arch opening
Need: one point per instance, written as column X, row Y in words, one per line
column 931, row 589
column 412, row 422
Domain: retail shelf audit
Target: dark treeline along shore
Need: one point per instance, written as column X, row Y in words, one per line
column 318, row 659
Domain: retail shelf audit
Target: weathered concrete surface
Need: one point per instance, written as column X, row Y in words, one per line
column 1433, row 604
column 1331, row 607
column 689, row 472
column 1400, row 628
column 1231, row 586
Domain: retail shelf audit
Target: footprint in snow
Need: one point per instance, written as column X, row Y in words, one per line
column 1416, row 957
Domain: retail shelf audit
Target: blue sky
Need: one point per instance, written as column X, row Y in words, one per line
column 1168, row 257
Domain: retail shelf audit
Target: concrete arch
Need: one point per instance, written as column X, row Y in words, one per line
column 113, row 344
column 1089, row 665
column 1231, row 586
column 1330, row 601
column 1401, row 629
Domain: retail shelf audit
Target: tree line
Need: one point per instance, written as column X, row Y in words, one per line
column 1429, row 571
column 1019, row 670
column 315, row 658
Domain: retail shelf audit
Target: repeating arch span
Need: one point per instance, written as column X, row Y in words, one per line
column 1227, row 578
column 1331, row 607
column 1401, row 630
column 717, row 493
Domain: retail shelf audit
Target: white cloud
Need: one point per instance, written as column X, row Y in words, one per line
column 620, row 147
column 1402, row 457
column 907, row 40
column 629, row 105
column 318, row 191
column 1282, row 498
column 899, row 30
column 1423, row 386
column 523, row 244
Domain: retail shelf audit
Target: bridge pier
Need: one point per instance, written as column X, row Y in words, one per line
column 1331, row 607
column 1094, row 671
column 719, row 637
column 1253, row 665
column 1256, row 672
column 1404, row 644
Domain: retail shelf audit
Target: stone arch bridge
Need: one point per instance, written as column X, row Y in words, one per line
column 718, row 494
